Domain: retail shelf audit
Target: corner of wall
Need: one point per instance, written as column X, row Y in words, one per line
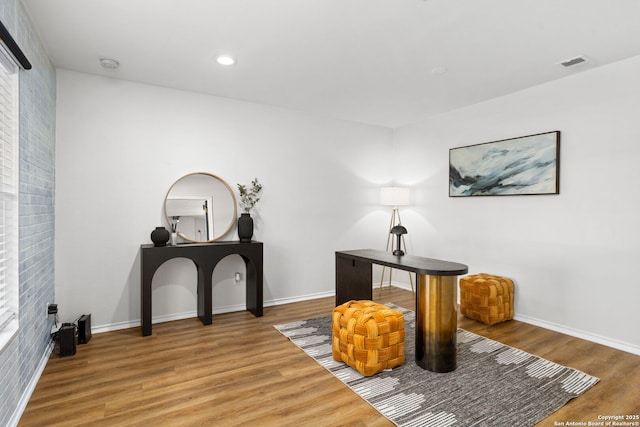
column 22, row 361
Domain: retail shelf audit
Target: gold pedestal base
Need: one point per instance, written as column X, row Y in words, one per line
column 436, row 323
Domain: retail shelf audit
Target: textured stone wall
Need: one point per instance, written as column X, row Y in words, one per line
column 21, row 360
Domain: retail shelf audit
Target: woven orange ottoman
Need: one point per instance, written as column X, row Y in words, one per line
column 368, row 336
column 486, row 298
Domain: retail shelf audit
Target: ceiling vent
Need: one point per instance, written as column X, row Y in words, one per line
column 572, row 62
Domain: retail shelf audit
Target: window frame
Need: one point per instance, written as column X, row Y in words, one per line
column 9, row 194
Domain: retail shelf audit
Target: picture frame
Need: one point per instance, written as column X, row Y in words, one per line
column 526, row 165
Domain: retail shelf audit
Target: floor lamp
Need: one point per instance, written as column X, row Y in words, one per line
column 395, row 197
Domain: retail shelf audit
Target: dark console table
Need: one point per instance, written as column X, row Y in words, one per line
column 436, row 299
column 205, row 256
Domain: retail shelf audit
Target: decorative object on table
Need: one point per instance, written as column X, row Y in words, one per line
column 486, row 298
column 367, row 336
column 508, row 387
column 206, row 205
column 245, row 227
column 519, row 166
column 248, row 199
column 160, row 236
column 395, row 197
column 175, row 220
column 398, row 231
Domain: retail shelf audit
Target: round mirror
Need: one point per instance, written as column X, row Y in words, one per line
column 201, row 207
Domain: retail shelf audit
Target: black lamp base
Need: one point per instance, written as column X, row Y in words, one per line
column 398, row 251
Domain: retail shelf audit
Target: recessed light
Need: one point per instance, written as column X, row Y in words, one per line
column 109, row 63
column 225, row 60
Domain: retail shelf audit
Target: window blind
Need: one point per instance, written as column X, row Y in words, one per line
column 8, row 189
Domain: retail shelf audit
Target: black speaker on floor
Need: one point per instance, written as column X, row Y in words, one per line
column 84, row 328
column 67, row 339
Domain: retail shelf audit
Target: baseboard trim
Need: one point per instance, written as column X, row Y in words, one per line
column 216, row 310
column 599, row 339
column 307, row 297
column 401, row 285
column 619, row 345
column 26, row 396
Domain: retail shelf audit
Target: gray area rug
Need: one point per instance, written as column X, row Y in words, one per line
column 494, row 385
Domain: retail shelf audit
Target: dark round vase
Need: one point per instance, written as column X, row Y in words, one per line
column 245, row 227
column 160, row 236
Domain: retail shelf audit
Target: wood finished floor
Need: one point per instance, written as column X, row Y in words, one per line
column 241, row 371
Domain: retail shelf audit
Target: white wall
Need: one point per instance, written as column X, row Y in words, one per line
column 120, row 146
column 573, row 255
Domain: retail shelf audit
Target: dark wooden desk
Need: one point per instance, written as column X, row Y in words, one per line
column 436, row 298
column 205, row 256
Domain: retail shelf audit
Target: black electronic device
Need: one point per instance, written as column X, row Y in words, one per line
column 84, row 328
column 52, row 309
column 67, row 339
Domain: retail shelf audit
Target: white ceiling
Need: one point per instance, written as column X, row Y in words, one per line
column 369, row 61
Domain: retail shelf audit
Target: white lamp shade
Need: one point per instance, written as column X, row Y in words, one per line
column 394, row 196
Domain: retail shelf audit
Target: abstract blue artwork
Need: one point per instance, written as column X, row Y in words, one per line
column 517, row 166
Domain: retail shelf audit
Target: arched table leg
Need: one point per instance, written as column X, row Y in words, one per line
column 254, row 285
column 205, row 256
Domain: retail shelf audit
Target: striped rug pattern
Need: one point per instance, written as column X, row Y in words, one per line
column 494, row 385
